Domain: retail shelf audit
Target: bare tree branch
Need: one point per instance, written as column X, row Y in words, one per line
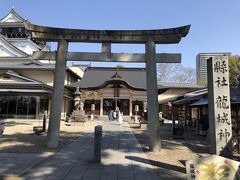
column 175, row 73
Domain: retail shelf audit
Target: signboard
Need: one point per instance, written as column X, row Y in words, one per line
column 91, row 95
column 220, row 126
column 213, row 167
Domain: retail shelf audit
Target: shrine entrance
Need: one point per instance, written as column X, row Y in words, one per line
column 147, row 37
column 111, row 104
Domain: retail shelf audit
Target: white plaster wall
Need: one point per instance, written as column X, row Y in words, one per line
column 11, row 80
column 43, row 76
column 139, row 95
column 5, row 53
column 25, row 47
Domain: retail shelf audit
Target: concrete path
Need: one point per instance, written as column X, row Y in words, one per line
column 122, row 158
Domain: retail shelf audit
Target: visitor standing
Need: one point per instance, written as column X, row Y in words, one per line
column 110, row 115
column 120, row 118
column 1, row 127
column 114, row 115
column 117, row 112
column 145, row 115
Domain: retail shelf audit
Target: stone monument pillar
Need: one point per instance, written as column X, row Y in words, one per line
column 220, row 125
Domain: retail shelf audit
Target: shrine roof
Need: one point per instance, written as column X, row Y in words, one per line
column 98, row 77
column 200, row 97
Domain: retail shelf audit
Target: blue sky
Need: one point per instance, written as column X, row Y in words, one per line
column 215, row 24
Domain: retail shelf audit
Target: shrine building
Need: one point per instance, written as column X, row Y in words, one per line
column 108, row 88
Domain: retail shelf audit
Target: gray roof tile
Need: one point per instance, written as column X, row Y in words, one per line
column 95, row 77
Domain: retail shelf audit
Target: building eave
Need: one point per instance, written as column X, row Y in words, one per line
column 25, row 40
column 73, row 73
column 16, row 58
column 118, row 81
column 11, row 24
column 11, row 46
column 26, row 67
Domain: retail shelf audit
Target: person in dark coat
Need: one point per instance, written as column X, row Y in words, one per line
column 1, row 127
column 110, row 115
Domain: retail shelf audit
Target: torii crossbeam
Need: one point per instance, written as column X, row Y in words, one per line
column 148, row 37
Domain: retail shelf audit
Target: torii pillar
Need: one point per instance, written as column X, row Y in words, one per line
column 57, row 98
column 152, row 97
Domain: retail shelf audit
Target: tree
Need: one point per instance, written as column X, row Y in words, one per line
column 202, row 83
column 175, row 73
column 184, row 74
column 165, row 71
column 234, row 71
column 119, row 66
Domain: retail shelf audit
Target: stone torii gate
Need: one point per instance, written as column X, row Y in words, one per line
column 148, row 37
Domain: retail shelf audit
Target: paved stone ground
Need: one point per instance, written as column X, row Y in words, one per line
column 122, row 158
column 170, row 161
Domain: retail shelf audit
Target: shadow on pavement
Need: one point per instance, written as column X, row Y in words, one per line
column 158, row 164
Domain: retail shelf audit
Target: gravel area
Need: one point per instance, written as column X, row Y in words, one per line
column 18, row 136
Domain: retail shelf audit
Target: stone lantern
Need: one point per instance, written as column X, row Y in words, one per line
column 78, row 113
column 78, row 97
